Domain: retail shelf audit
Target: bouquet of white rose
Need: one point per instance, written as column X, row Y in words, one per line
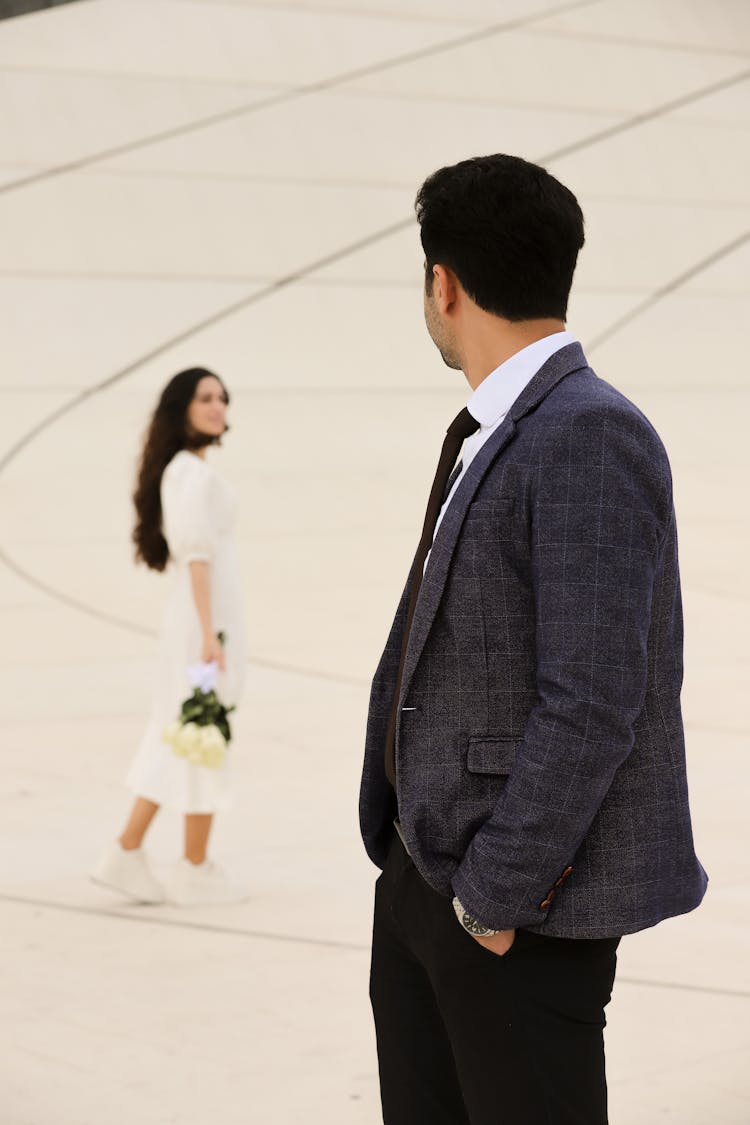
column 202, row 733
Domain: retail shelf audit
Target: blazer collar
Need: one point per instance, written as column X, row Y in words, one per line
column 564, row 362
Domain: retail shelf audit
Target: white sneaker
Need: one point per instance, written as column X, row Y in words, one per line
column 202, row 884
column 128, row 872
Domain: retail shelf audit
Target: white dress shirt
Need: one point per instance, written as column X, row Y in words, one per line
column 494, row 397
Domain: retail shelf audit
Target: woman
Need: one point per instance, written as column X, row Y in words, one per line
column 185, row 515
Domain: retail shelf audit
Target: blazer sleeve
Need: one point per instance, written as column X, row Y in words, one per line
column 601, row 506
column 187, row 511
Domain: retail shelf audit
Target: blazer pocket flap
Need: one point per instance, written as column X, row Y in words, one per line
column 491, row 755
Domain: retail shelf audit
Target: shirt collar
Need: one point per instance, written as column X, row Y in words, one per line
column 496, row 394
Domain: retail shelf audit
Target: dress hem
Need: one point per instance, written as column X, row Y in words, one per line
column 179, row 806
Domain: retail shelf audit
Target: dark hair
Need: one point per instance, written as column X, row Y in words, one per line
column 508, row 230
column 167, row 434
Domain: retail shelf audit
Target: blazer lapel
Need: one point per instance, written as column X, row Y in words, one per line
column 562, row 363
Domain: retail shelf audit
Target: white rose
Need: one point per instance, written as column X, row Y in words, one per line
column 204, row 737
column 171, row 732
column 212, row 738
column 188, row 737
column 213, row 746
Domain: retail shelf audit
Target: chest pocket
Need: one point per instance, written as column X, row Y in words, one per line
column 491, row 518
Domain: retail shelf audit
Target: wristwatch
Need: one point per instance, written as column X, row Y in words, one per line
column 476, row 929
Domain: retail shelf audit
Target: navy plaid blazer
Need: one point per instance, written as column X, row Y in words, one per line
column 539, row 745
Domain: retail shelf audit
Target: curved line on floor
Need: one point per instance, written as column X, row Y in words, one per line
column 258, row 295
column 305, row 271
column 321, row 943
column 290, row 95
column 128, row 916
column 200, row 326
column 133, row 627
column 666, row 290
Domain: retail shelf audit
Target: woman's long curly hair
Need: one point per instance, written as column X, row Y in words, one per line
column 169, row 431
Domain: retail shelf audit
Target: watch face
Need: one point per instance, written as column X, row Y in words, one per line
column 475, row 927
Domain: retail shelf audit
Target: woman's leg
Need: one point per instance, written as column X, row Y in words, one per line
column 197, row 881
column 141, row 815
column 123, row 866
column 197, row 831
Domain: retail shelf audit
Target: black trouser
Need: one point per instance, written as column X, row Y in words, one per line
column 466, row 1037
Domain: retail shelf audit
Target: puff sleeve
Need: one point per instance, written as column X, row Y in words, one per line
column 187, row 509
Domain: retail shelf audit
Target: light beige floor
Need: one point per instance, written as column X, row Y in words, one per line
column 230, row 183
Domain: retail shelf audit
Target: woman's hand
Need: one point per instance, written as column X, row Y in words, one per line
column 212, row 649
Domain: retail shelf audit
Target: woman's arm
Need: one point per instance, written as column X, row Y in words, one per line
column 200, row 580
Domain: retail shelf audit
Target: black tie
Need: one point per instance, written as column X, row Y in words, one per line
column 462, row 426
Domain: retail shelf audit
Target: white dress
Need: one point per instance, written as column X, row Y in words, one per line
column 199, row 512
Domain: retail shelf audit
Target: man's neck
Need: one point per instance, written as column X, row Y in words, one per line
column 495, row 341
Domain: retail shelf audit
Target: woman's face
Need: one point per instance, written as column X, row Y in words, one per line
column 206, row 414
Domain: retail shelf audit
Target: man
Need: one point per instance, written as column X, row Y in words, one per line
column 524, row 784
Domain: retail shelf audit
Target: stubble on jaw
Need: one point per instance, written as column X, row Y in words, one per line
column 439, row 335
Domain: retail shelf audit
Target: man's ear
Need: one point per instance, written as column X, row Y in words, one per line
column 444, row 288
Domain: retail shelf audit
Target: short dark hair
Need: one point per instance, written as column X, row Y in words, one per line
column 508, row 230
